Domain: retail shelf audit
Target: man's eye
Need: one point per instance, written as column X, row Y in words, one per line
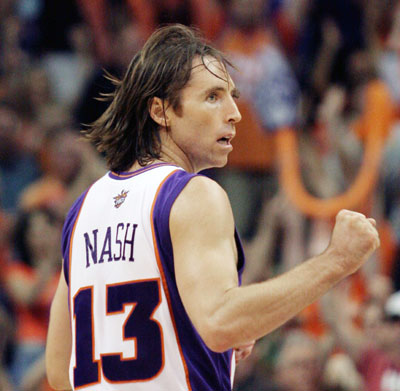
column 212, row 97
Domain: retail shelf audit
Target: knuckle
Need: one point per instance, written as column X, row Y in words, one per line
column 342, row 213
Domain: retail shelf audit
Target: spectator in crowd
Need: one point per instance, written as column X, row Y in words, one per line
column 324, row 61
column 13, row 60
column 127, row 39
column 287, row 17
column 374, row 348
column 299, row 363
column 57, row 38
column 31, row 283
column 18, row 168
column 268, row 103
column 148, row 15
column 69, row 167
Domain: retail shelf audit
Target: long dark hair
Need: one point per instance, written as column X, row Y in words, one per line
column 125, row 132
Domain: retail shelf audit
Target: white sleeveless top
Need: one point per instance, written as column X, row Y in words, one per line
column 129, row 328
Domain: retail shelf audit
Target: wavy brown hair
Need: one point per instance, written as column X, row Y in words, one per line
column 125, row 132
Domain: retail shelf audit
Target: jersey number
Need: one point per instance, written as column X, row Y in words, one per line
column 139, row 326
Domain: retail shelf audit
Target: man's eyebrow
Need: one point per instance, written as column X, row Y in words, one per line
column 235, row 92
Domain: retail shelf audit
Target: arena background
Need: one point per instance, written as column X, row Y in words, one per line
column 320, row 97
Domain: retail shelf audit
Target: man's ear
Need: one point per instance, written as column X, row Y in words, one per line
column 158, row 112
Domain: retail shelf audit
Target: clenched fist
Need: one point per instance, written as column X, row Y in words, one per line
column 354, row 239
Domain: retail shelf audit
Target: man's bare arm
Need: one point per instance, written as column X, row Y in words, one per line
column 59, row 340
column 226, row 315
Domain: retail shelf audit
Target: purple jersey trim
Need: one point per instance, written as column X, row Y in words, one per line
column 126, row 175
column 67, row 232
column 208, row 371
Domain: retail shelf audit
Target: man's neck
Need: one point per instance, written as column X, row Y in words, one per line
column 172, row 153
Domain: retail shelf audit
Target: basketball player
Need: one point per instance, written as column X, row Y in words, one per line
column 150, row 298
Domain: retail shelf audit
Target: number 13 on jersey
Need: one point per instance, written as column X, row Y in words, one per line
column 140, row 326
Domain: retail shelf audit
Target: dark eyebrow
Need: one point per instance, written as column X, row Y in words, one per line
column 235, row 92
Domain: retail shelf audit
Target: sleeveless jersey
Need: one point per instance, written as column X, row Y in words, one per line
column 130, row 330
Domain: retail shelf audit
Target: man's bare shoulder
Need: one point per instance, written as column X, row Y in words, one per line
column 205, row 187
column 202, row 200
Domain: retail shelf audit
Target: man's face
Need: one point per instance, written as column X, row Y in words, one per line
column 205, row 124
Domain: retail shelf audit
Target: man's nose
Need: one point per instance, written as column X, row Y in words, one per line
column 234, row 115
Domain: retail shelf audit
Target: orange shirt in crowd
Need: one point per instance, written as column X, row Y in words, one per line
column 32, row 321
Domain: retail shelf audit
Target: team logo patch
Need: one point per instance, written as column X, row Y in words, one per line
column 120, row 198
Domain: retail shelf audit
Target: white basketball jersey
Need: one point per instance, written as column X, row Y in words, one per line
column 129, row 328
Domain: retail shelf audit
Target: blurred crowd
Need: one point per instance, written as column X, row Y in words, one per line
column 320, row 101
